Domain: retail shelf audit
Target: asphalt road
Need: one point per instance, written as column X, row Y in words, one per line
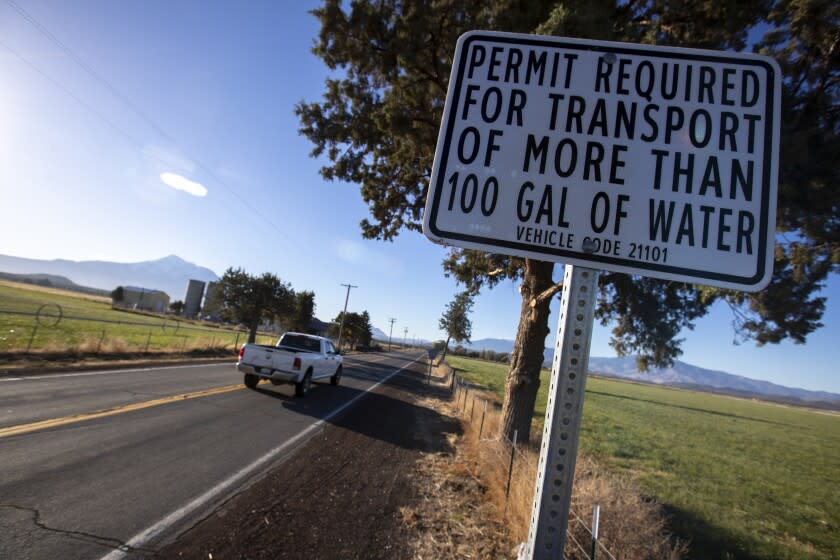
column 104, row 464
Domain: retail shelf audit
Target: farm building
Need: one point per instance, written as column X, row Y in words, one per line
column 144, row 298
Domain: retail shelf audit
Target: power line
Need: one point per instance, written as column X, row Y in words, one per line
column 87, row 68
column 81, row 102
column 60, row 86
column 128, row 103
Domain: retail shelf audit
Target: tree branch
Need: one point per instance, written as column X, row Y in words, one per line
column 547, row 294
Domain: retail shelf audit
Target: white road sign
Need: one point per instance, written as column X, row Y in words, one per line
column 647, row 160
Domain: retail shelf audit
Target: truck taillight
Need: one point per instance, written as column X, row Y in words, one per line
column 241, row 352
column 296, row 364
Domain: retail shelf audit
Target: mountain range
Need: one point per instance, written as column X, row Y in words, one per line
column 397, row 336
column 169, row 274
column 680, row 374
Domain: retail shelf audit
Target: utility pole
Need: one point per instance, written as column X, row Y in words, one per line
column 343, row 315
column 390, row 332
column 405, row 336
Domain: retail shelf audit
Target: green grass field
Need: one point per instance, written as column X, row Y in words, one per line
column 90, row 325
column 744, row 480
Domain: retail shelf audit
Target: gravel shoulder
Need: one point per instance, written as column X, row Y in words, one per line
column 353, row 491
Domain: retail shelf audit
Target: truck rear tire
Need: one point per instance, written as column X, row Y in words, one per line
column 302, row 387
column 336, row 378
column 251, row 380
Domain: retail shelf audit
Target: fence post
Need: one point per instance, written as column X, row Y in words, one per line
column 32, row 338
column 148, row 339
column 466, row 396
column 472, row 409
column 101, row 338
column 212, row 341
column 483, row 414
column 429, row 381
column 510, row 468
column 184, row 345
column 236, row 343
column 596, row 515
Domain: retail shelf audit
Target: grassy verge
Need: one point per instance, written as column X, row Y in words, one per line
column 743, row 480
column 88, row 326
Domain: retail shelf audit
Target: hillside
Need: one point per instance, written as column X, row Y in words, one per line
column 169, row 274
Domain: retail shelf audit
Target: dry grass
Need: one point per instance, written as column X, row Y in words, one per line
column 452, row 516
column 632, row 527
column 119, row 345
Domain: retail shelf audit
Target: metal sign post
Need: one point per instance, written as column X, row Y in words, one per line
column 556, row 469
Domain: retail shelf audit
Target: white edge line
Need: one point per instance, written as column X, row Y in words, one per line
column 109, row 371
column 143, row 537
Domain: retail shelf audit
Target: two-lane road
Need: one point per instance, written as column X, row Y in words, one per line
column 94, row 464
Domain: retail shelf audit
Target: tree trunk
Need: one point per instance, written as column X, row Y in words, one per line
column 252, row 332
column 445, row 349
column 526, row 360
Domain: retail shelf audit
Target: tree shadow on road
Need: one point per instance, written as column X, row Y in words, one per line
column 390, row 413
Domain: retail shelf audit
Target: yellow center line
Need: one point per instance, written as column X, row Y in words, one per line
column 54, row 422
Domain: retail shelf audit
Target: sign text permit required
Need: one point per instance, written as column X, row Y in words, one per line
column 647, row 160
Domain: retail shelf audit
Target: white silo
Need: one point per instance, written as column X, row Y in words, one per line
column 192, row 301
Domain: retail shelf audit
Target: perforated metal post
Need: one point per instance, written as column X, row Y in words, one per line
column 555, row 473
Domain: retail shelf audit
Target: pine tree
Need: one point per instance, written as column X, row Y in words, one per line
column 302, row 312
column 455, row 321
column 251, row 299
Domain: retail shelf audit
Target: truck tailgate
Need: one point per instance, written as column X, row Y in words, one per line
column 259, row 357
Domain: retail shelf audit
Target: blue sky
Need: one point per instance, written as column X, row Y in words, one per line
column 217, row 85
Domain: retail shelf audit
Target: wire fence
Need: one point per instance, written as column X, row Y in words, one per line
column 48, row 328
column 517, row 466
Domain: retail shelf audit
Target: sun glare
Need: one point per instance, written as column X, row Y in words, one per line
column 182, row 184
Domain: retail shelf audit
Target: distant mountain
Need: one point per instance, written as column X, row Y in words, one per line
column 680, row 374
column 685, row 374
column 379, row 334
column 499, row 345
column 169, row 274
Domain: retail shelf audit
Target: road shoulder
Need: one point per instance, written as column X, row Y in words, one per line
column 350, row 492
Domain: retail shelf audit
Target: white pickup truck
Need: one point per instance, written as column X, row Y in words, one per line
column 297, row 359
